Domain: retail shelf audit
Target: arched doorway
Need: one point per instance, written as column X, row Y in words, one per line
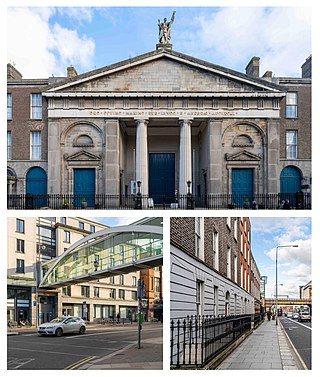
column 36, row 185
column 290, row 184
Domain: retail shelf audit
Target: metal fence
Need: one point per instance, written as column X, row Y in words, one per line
column 196, row 340
column 211, row 201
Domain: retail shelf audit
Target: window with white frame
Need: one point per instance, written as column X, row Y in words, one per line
column 9, row 145
column 236, row 269
column 122, row 293
column 229, row 262
column 215, row 300
column 291, row 105
column 235, row 228
column 36, row 106
column 35, row 145
column 9, row 106
column 292, row 144
column 81, row 225
column 215, row 247
column 66, row 236
column 199, row 237
column 134, row 281
column 199, row 297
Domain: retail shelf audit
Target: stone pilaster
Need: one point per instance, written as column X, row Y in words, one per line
column 215, row 153
column 54, row 158
column 112, row 157
column 142, row 172
column 273, row 167
column 185, row 163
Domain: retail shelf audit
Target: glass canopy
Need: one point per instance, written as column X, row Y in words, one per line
column 106, row 253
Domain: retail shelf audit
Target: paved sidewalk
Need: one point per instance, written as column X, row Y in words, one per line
column 266, row 348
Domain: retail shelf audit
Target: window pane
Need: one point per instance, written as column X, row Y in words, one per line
column 35, row 145
column 9, row 106
column 9, row 145
column 36, row 106
column 291, row 98
column 291, row 111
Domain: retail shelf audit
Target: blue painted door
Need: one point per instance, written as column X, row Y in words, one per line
column 162, row 177
column 290, row 183
column 36, row 184
column 242, row 186
column 84, row 186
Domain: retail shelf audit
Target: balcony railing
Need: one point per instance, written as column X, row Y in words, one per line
column 297, row 200
column 197, row 340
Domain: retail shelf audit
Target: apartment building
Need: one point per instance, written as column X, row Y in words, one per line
column 205, row 267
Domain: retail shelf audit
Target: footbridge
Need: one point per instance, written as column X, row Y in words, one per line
column 114, row 251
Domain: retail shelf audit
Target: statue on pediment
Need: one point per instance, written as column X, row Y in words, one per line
column 164, row 30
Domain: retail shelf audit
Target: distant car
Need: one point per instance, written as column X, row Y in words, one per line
column 304, row 317
column 289, row 315
column 295, row 316
column 63, row 325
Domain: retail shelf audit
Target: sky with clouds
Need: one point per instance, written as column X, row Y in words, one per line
column 294, row 263
column 92, row 37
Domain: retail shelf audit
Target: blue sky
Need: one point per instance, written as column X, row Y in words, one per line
column 89, row 38
column 294, row 264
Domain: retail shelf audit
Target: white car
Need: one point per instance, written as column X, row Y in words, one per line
column 63, row 325
column 295, row 316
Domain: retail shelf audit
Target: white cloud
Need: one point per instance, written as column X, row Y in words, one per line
column 280, row 36
column 41, row 49
column 79, row 14
column 293, row 255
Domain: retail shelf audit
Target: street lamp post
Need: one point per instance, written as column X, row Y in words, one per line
column 279, row 247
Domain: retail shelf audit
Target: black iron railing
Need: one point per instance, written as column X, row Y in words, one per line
column 189, row 201
column 196, row 340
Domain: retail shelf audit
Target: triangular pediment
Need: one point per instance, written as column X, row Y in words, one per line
column 163, row 71
column 82, row 156
column 242, row 156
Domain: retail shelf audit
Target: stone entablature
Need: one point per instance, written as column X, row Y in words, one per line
column 178, row 113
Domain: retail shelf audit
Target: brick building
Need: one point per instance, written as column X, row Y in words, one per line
column 205, row 273
column 100, row 132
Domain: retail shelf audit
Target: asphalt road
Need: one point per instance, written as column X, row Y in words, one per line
column 300, row 335
column 31, row 351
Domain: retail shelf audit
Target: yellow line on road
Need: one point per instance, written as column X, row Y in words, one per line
column 77, row 364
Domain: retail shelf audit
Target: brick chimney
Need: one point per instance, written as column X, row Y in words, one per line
column 306, row 68
column 71, row 72
column 13, row 73
column 252, row 69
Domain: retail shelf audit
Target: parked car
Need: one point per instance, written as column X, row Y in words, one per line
column 289, row 315
column 304, row 317
column 63, row 325
column 295, row 316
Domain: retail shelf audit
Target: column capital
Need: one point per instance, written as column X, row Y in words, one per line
column 141, row 120
column 183, row 121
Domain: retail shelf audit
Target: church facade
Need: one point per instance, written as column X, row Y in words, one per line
column 173, row 123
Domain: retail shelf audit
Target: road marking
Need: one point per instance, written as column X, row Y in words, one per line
column 112, row 332
column 45, row 351
column 77, row 364
column 19, row 362
column 298, row 323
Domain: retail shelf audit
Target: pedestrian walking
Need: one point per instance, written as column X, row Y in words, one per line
column 118, row 318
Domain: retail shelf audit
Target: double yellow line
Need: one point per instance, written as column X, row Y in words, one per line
column 77, row 364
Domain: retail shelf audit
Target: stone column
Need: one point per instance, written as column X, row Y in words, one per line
column 142, row 172
column 185, row 163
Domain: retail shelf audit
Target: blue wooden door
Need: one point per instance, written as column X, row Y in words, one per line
column 84, row 186
column 290, row 184
column 36, row 184
column 242, row 186
column 162, row 177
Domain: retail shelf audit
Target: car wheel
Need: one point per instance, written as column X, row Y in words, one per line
column 59, row 331
column 82, row 330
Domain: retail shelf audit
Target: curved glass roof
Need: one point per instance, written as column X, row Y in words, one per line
column 109, row 252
